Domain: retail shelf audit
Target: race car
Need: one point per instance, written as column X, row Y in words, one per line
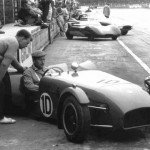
column 91, row 30
column 86, row 97
column 123, row 26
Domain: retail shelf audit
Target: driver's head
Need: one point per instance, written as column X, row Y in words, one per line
column 38, row 58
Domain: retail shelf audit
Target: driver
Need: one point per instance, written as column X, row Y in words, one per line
column 31, row 78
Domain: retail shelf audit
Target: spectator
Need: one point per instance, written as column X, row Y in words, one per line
column 65, row 13
column 44, row 6
column 65, row 17
column 32, row 76
column 50, row 13
column 30, row 14
column 106, row 10
column 60, row 18
column 8, row 48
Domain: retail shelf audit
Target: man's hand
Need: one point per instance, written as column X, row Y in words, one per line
column 18, row 66
column 24, row 68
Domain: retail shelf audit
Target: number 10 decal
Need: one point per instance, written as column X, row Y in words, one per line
column 46, row 105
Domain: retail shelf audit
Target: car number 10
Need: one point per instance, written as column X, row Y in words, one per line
column 46, row 105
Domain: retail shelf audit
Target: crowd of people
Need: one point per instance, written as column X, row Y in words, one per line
column 42, row 12
column 34, row 13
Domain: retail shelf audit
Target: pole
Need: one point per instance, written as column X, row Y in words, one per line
column 4, row 10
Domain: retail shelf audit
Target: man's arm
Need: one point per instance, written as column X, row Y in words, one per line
column 7, row 59
column 17, row 66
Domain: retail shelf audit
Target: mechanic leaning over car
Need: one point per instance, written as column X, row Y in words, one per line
column 31, row 78
column 8, row 49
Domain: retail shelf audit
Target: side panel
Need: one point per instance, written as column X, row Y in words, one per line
column 17, row 95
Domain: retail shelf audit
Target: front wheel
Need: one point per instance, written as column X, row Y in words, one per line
column 69, row 36
column 75, row 119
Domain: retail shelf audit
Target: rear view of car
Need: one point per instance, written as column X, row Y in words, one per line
column 92, row 30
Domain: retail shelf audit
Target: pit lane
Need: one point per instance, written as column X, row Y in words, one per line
column 31, row 134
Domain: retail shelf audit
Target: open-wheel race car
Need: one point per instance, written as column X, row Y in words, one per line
column 91, row 30
column 86, row 97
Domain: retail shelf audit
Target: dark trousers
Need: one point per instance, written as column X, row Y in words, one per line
column 45, row 9
column 31, row 98
column 5, row 95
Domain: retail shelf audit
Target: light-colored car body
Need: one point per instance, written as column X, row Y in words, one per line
column 91, row 30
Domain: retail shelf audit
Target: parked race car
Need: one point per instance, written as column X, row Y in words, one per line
column 91, row 30
column 124, row 27
column 86, row 97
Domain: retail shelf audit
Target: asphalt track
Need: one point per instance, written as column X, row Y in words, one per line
column 128, row 58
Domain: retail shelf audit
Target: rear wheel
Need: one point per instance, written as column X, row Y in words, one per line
column 69, row 36
column 75, row 119
column 90, row 38
column 114, row 37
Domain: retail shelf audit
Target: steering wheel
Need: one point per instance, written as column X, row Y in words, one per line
column 56, row 69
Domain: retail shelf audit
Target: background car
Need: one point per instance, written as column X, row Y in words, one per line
column 91, row 30
column 123, row 26
column 79, row 15
column 86, row 97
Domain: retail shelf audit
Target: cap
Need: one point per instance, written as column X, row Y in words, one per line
column 38, row 54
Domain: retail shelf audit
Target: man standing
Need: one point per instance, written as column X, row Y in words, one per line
column 8, row 49
column 44, row 6
column 106, row 10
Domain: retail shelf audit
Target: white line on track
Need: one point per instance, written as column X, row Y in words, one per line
column 146, row 68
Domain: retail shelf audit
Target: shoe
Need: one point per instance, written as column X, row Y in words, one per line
column 6, row 120
column 2, row 32
column 44, row 25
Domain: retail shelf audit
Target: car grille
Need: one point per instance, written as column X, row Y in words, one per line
column 100, row 117
column 137, row 118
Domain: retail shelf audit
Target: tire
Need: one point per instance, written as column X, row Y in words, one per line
column 91, row 38
column 69, row 36
column 124, row 32
column 114, row 37
column 75, row 119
